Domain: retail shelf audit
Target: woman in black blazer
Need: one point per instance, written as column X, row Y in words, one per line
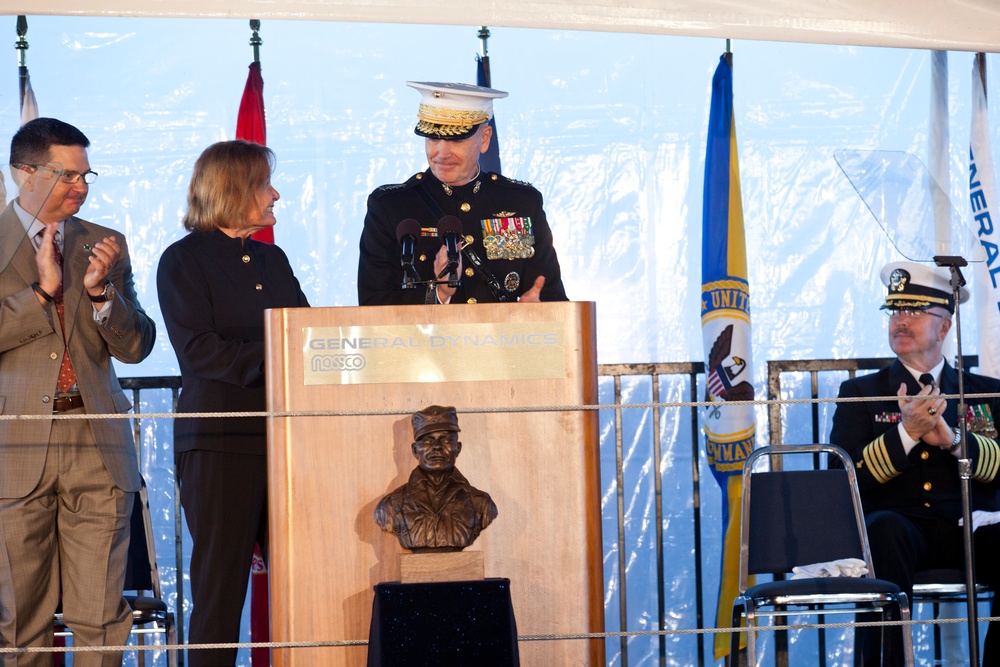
column 214, row 285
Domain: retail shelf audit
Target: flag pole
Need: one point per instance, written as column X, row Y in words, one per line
column 21, row 45
column 484, row 55
column 250, row 126
column 981, row 64
column 490, row 160
column 484, row 35
column 255, row 40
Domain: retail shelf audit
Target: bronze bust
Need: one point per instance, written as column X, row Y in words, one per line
column 437, row 509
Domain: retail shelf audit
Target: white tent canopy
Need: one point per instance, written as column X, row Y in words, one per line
column 607, row 117
column 958, row 25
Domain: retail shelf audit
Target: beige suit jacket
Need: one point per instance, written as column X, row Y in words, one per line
column 31, row 349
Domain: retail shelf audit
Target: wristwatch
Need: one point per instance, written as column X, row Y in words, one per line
column 957, row 441
column 107, row 295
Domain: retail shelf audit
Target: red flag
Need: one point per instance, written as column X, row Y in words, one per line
column 250, row 126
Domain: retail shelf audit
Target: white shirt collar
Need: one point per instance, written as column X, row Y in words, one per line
column 32, row 226
column 935, row 372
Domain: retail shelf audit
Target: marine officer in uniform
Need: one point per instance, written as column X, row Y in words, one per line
column 905, row 451
column 506, row 243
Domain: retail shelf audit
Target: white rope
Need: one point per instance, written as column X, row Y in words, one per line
column 521, row 638
column 477, row 409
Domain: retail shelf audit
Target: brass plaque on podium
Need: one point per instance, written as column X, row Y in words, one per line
column 397, row 353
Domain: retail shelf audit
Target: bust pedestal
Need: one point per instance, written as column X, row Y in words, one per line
column 443, row 623
column 448, row 566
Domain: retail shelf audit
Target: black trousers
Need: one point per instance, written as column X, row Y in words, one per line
column 224, row 497
column 902, row 545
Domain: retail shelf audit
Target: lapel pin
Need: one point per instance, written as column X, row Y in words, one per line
column 86, row 246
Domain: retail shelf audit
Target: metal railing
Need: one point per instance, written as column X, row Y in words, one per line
column 685, row 377
column 172, row 383
column 662, row 423
column 690, row 376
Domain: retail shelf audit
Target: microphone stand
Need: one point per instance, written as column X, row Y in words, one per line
column 954, row 264
column 412, row 280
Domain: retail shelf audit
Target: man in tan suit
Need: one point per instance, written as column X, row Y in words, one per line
column 67, row 305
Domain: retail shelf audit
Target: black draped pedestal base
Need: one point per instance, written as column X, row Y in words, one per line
column 443, row 624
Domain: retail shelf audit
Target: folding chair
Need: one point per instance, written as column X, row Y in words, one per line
column 804, row 517
column 150, row 614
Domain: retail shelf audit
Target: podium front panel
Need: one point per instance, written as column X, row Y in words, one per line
column 496, row 363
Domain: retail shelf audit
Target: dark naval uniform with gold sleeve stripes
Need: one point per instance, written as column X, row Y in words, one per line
column 911, row 490
column 924, row 482
column 503, row 224
column 912, row 502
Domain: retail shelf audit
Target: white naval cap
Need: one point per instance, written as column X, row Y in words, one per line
column 919, row 286
column 452, row 111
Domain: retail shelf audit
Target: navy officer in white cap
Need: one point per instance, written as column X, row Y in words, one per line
column 505, row 242
column 906, row 451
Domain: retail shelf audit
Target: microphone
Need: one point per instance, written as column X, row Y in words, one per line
column 449, row 228
column 406, row 233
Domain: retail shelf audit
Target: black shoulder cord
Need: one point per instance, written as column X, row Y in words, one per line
column 477, row 264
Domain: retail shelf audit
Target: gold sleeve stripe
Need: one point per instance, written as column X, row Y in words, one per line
column 877, row 458
column 988, row 465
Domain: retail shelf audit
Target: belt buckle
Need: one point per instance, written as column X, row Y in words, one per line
column 64, row 403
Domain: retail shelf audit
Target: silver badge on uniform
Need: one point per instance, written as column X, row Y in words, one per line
column 898, row 280
column 511, row 281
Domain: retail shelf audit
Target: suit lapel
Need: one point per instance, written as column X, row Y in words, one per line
column 949, row 385
column 16, row 250
column 898, row 375
column 75, row 263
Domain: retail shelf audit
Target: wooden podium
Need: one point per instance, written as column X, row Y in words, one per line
column 326, row 474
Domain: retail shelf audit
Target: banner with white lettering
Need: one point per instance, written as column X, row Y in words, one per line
column 982, row 200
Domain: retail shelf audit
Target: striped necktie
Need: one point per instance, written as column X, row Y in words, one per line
column 67, row 376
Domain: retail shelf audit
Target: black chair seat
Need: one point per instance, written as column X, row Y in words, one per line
column 146, row 609
column 823, row 586
column 943, row 585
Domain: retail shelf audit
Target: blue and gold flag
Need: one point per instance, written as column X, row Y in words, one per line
column 725, row 326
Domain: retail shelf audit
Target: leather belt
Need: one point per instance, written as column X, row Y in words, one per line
column 64, row 403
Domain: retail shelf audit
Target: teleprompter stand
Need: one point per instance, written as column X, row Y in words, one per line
column 917, row 216
column 954, row 265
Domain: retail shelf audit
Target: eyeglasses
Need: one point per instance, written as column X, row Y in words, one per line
column 910, row 313
column 70, row 177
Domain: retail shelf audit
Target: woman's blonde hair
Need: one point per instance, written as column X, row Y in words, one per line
column 224, row 185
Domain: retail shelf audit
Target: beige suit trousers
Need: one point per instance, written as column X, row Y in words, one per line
column 69, row 535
